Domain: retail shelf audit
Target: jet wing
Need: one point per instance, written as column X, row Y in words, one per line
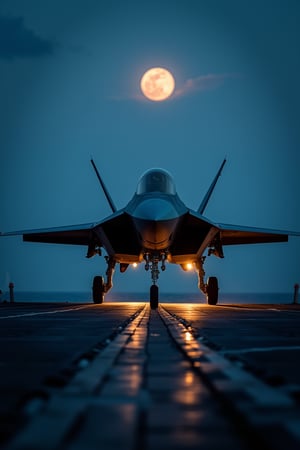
column 236, row 234
column 74, row 234
column 116, row 233
column 197, row 233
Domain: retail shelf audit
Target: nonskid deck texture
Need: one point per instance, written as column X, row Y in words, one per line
column 155, row 382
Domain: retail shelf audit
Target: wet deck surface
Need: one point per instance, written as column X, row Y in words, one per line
column 122, row 376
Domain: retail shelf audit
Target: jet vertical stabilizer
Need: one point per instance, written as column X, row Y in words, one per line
column 107, row 195
column 210, row 190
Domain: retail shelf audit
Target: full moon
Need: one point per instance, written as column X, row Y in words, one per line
column 157, row 84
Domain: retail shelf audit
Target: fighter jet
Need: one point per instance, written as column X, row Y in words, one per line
column 154, row 228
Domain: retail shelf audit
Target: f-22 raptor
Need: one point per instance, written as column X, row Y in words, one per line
column 154, row 228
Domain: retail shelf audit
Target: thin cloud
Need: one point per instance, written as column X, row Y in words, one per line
column 203, row 83
column 18, row 41
column 191, row 86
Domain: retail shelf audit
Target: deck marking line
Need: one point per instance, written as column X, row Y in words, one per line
column 46, row 312
column 261, row 349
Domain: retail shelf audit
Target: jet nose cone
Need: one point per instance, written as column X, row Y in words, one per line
column 155, row 209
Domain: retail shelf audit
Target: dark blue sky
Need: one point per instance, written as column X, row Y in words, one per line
column 69, row 89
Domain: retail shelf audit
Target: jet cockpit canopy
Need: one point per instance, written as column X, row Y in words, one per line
column 156, row 180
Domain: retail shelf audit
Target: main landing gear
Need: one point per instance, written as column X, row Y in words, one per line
column 211, row 288
column 100, row 288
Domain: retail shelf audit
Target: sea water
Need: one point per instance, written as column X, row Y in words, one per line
column 85, row 297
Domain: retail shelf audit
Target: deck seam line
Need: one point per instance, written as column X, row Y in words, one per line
column 65, row 406
column 262, row 398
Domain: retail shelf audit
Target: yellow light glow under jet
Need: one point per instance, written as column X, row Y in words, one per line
column 188, row 336
column 187, row 267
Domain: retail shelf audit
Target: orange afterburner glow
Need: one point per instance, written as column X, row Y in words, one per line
column 157, row 84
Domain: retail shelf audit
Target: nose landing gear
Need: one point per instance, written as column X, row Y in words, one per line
column 154, row 296
column 152, row 261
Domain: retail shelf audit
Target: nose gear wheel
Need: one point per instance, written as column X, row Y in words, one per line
column 151, row 263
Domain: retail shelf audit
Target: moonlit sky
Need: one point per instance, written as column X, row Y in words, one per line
column 69, row 89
